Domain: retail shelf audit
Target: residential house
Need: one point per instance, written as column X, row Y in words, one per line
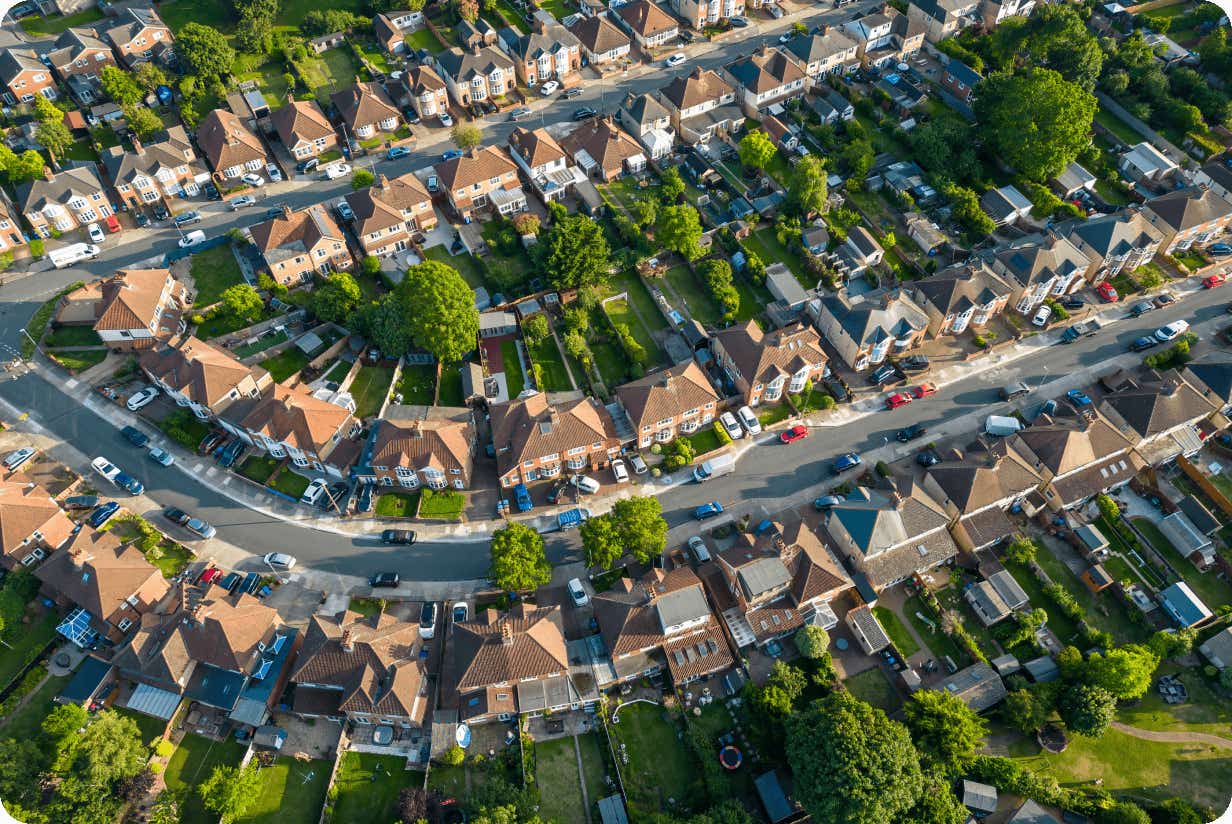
column 1211, row 375
column 229, row 145
column 961, row 296
column 996, row 598
column 1188, row 217
column 1144, row 163
column 548, row 52
column 1072, row 180
column 535, row 440
column 769, row 585
column 858, row 253
column 138, row 35
column 1006, row 205
column 977, row 490
column 110, row 585
column 701, row 104
column 866, row 329
column 32, row 525
column 1039, row 267
column 944, row 18
column 763, row 365
column 436, row 453
column 781, row 134
column 390, row 213
column 829, row 51
column 203, row 378
column 1114, row 243
column 482, row 176
column 885, row 36
column 980, row 688
column 650, row 26
column 764, row 77
column 132, row 309
column 24, row 76
column 428, row 93
column 998, row 11
column 391, row 29
column 700, row 14
column 304, row 129
column 677, row 401
column 1218, row 649
column 1183, row 606
column 544, row 163
column 477, row 34
column 61, row 202
column 663, row 618
column 296, row 245
column 289, row 422
column 365, row 669
column 502, row 666
column 168, row 168
column 1161, row 417
column 831, row 106
column 601, row 40
column 366, row 110
column 890, row 535
column 1078, row 458
column 10, row 233
column 1215, row 175
column 476, row 75
column 603, row 150
column 650, row 122
column 80, row 51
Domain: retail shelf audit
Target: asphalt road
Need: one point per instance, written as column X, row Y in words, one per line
column 769, row 477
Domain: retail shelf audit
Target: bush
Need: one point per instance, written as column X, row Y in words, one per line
column 1021, row 551
column 38, row 248
column 721, row 434
column 164, row 748
column 454, row 756
column 157, row 767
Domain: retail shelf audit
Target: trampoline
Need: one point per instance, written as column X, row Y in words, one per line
column 730, row 757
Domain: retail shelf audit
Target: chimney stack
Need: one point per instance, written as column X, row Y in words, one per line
column 138, row 149
column 48, row 174
column 506, row 631
column 286, row 212
column 347, row 644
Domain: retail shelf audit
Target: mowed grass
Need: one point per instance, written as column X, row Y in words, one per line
column 1116, row 621
column 191, row 763
column 595, row 765
column 515, row 379
column 660, row 767
column 465, row 264
column 618, row 310
column 368, row 786
column 560, row 788
column 38, row 25
column 897, row 631
column 397, row 505
column 26, row 722
column 72, row 336
column 292, row 792
column 213, row 271
column 286, row 364
column 21, row 644
column 632, row 285
column 1204, row 712
column 701, row 307
column 417, row 383
column 767, row 247
column 370, row 388
column 873, row 687
column 547, row 355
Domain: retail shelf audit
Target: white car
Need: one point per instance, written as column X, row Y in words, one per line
column 241, row 201
column 675, row 60
column 1041, row 316
column 105, row 468
column 279, row 559
column 95, row 232
column 336, row 170
column 446, row 120
column 749, row 421
column 1172, row 331
column 314, row 491
column 549, row 88
column 274, row 173
column 585, row 483
column 619, row 470
column 639, row 465
column 16, row 460
column 731, row 426
column 253, row 180
column 579, row 596
column 142, row 398
column 193, row 238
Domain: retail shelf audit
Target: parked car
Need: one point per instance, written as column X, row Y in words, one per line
column 344, row 210
column 1220, row 249
column 520, row 113
column 1074, row 304
column 273, row 172
column 96, row 233
column 898, row 399
column 928, row 458
column 1141, row 308
column 231, row 453
column 924, row 390
column 201, row 528
column 584, row 113
column 427, row 620
column 796, row 433
column 176, row 516
column 697, row 545
column 102, row 514
column 141, row 398
column 549, row 88
column 364, row 503
column 461, row 611
column 307, row 165
column 184, row 218
column 620, row 471
column 576, row 593
column 1172, row 331
column 1078, row 398
column 585, row 483
column 675, row 60
column 556, row 491
column 639, row 465
column 445, row 119
column 748, row 420
column 279, row 560
column 883, row 374
column 914, row 363
column 569, row 94
column 710, row 510
column 160, row 456
column 827, row 502
column 396, row 152
column 336, row 170
column 1143, row 343
column 911, row 433
column 1107, row 292
column 385, row 580
column 452, row 154
column 135, row 436
column 17, row 459
column 731, row 426
column 209, row 442
column 81, row 502
column 1164, row 298
column 253, row 180
column 117, row 477
column 241, row 202
column 314, row 491
column 400, row 537
column 844, row 462
column 739, row 22
column 1211, row 281
column 1042, row 315
column 195, row 238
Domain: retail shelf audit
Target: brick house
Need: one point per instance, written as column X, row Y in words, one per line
column 764, row 365
column 290, row 423
column 702, row 13
column 231, row 148
column 1188, row 217
column 764, row 77
column 962, row 296
column 977, row 491
column 535, row 440
column 158, row 172
column 867, row 332
column 603, row 150
column 482, row 176
column 548, row 52
column 80, row 52
column 65, row 201
column 203, row 378
column 389, row 213
column 544, row 163
column 1161, row 417
column 366, row 109
column 1039, row 267
column 944, row 18
column 828, row 52
column 297, row 245
column 437, row 453
column 10, row 232
column 701, row 104
column 133, row 309
column 1078, row 458
column 32, row 525
column 885, row 36
column 138, row 35
column 677, row 401
column 304, row 129
column 601, row 40
column 428, row 93
column 476, row 75
column 24, row 76
column 1114, row 243
column 650, row 26
column 391, row 27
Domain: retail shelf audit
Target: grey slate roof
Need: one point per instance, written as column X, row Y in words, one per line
column 1187, row 208
column 963, row 286
column 1214, row 373
column 537, row 44
column 815, row 48
column 1116, row 234
column 873, row 320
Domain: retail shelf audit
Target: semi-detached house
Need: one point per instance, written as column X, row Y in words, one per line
column 436, row 452
column 601, row 40
column 764, row 77
column 1039, row 267
column 133, row 309
column 80, row 52
column 158, row 172
column 24, row 76
column 829, row 51
column 650, row 122
column 203, row 378
column 297, row 245
column 1078, row 457
column 390, row 213
column 32, row 525
column 482, row 176
column 426, row 90
column 677, row 401
column 536, row 440
column 1161, row 417
column 702, row 13
column 1188, row 217
column 231, row 148
column 977, row 491
column 366, row 110
column 304, row 129
column 603, row 150
column 764, row 365
column 138, row 35
column 290, row 423
column 962, row 296
column 476, row 75
column 548, row 52
column 943, row 18
column 650, row 26
column 61, row 202
column 544, row 163
column 701, row 104
column 1114, row 243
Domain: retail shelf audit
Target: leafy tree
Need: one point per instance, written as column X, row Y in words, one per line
column 21, row 763
column 680, row 230
column 51, row 133
column 242, row 301
column 1176, row 811
column 601, row 542
column 1087, row 710
column 946, row 146
column 852, row 765
column 518, row 560
column 149, row 76
column 807, row 189
column 440, row 309
column 465, row 136
column 937, row 804
column 1125, row 672
column 526, row 223
column 230, row 791
column 946, row 731
column 859, row 156
column 642, row 529
column 120, row 86
column 1070, row 662
column 1173, row 644
column 644, row 211
column 965, row 208
column 1021, row 551
column 205, row 50
column 717, row 275
column 166, row 809
column 535, row 328
column 143, row 121
column 109, row 749
column 756, row 149
column 1225, row 678
column 336, row 299
column 812, row 641
column 454, row 756
column 362, row 179
column 1035, row 120
column 466, row 9
column 61, row 725
column 573, row 251
column 672, row 186
column 1059, row 39
column 1124, row 812
column 26, row 166
column 1023, row 711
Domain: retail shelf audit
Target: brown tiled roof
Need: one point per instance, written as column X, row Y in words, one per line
column 1067, row 445
column 96, row 572
column 203, row 373
column 421, row 79
column 773, row 619
column 381, row 205
column 1097, row 477
column 626, row 613
column 763, row 356
column 695, row 88
column 77, row 43
column 131, row 299
column 1156, row 408
column 536, row 147
column 297, row 233
column 295, row 417
column 26, row 508
column 373, row 660
column 987, row 527
column 478, row 167
column 815, row 571
column 765, row 69
column 443, row 445
column 530, row 428
column 694, row 654
column 597, row 34
column 608, row 144
column 646, row 18
column 226, row 141
column 364, row 104
column 301, row 120
column 666, row 394
column 490, row 649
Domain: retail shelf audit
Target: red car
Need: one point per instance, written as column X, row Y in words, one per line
column 796, row 433
column 924, row 390
column 113, row 224
column 898, row 399
column 1107, row 292
column 1211, row 281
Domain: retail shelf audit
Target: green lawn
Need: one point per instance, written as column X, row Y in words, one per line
column 443, row 504
column 397, row 505
column 770, row 415
column 417, row 383
column 82, row 150
column 696, row 299
column 465, row 264
column 209, row 12
column 1116, row 621
column 632, row 285
column 514, row 376
column 1206, row 711
column 1206, row 586
column 1117, row 126
column 873, row 687
column 290, row 483
column 370, row 388
column 547, row 355
column 422, row 39
column 450, row 782
column 449, row 393
column 767, row 247
column 704, row 440
column 174, row 560
column 556, row 773
column 80, row 360
column 334, row 69
column 660, row 766
column 1060, row 623
column 618, row 310
column 367, row 787
column 937, row 641
column 26, row 722
column 268, row 341
column 258, row 467
column 151, row 727
column 595, row 760
column 286, row 363
column 224, row 324
column 191, row 763
column 38, row 25
column 213, row 270
column 612, row 364
column 338, row 370
column 292, row 792
column 270, row 80
column 753, row 299
column 21, row 644
column 72, row 336
column 898, row 633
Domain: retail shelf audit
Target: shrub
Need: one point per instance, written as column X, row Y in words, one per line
column 157, row 767
column 38, row 248
column 1021, row 551
column 883, row 469
column 721, row 434
column 454, row 756
column 164, row 748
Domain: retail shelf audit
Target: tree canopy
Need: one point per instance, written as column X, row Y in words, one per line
column 518, row 560
column 440, row 310
column 120, row 86
column 466, row 136
column 230, row 791
column 573, row 251
column 634, row 525
column 1124, row 671
column 51, row 133
column 205, row 50
column 680, row 230
column 335, row 300
column 812, row 641
column 1087, row 710
column 384, row 323
column 1035, row 120
column 807, row 188
column 756, row 149
column 946, row 731
column 242, row 301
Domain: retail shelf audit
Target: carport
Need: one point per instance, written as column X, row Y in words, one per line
column 152, row 701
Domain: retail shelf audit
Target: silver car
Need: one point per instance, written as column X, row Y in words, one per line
column 280, row 560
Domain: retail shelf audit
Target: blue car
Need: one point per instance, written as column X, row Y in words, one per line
column 522, row 495
column 396, row 152
column 1078, row 398
column 135, row 436
column 844, row 462
column 451, row 154
column 129, row 483
column 231, row 452
column 102, row 514
column 710, row 510
column 1220, row 249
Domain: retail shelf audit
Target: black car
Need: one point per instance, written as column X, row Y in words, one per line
column 176, row 516
column 81, row 502
column 1141, row 308
column 385, row 579
column 231, row 581
column 398, row 536
column 211, row 191
column 571, row 93
column 365, row 499
column 838, row 389
column 556, row 492
column 273, row 212
column 883, row 374
column 1144, row 343
column 335, row 496
column 584, row 113
column 251, row 581
column 209, row 442
column 928, row 458
column 914, row 363
column 160, row 212
column 135, row 436
column 141, row 219
column 231, row 453
column 916, row 430
column 1074, row 304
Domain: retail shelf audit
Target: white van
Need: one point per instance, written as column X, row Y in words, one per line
column 585, row 483
column 193, row 238
column 336, row 170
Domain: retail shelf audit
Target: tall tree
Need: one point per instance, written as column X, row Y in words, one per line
column 807, row 189
column 518, row 560
column 945, row 729
column 601, row 541
column 1024, row 711
column 1035, row 120
column 149, row 76
column 1125, row 671
column 680, row 230
column 230, row 791
column 812, row 641
column 1087, row 710
column 465, row 136
column 335, row 300
column 27, row 166
column 242, row 301
column 109, row 749
column 441, row 310
column 642, row 529
column 756, row 149
column 573, row 251
column 852, row 765
column 384, row 323
column 937, row 803
column 671, row 185
column 21, row 763
column 205, row 50
column 51, row 134
column 143, row 121
column 120, row 86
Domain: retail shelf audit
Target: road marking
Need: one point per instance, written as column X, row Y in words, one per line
column 198, row 467
column 71, row 383
column 227, row 481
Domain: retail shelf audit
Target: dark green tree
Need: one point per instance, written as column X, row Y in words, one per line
column 807, row 188
column 440, row 310
column 230, row 791
column 812, row 641
column 946, row 731
column 601, row 541
column 573, row 251
column 1035, row 120
column 518, row 560
column 335, row 300
column 680, row 230
column 1087, row 710
column 205, row 50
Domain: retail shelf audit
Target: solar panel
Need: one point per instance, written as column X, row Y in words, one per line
column 76, row 627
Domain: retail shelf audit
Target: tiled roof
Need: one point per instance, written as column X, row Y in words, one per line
column 26, row 508
column 442, row 445
column 1116, row 234
column 422, row 79
column 15, row 61
column 77, row 43
column 696, row 87
column 301, row 120
column 131, row 21
column 295, row 234
column 1066, row 445
column 646, row 18
column 463, row 66
column 165, row 156
column 66, row 185
column 295, row 417
column 871, row 321
column 815, row 48
column 203, row 373
column 973, row 484
column 629, row 615
column 528, row 428
column 536, row 147
column 132, row 299
column 643, row 108
column 764, row 70
column 96, row 572
column 607, row 144
column 1212, row 376
column 1039, row 258
column 1188, row 208
column 1156, row 408
column 226, row 141
column 962, row 287
column 597, row 34
column 895, row 534
column 666, row 394
column 539, row 44
column 479, row 166
column 1097, row 477
column 382, row 204
column 490, row 649
column 763, row 356
column 364, row 104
